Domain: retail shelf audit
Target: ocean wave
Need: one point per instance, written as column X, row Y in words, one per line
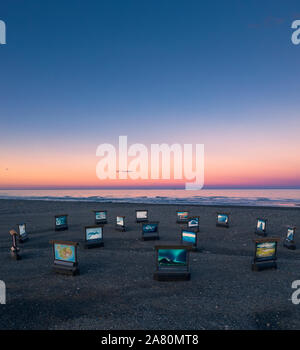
column 194, row 200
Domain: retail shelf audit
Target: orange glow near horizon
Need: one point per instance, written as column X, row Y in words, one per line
column 52, row 170
column 229, row 162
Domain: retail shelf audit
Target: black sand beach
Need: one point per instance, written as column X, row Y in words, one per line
column 115, row 288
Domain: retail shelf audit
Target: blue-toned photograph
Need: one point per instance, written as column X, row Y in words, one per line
column 100, row 215
column 61, row 220
column 120, row 221
column 92, row 233
column 189, row 237
column 261, row 225
column 223, row 218
column 193, row 222
column 290, row 234
column 172, row 257
column 147, row 228
column 22, row 229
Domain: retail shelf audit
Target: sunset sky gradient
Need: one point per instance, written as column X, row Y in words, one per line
column 77, row 74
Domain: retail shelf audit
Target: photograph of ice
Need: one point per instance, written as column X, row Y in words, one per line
column 150, row 228
column 61, row 220
column 261, row 225
column 93, row 233
column 223, row 218
column 193, row 222
column 141, row 214
column 120, row 221
column 22, row 229
column 100, row 215
column 290, row 234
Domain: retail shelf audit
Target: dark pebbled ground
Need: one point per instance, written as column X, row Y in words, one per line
column 115, row 288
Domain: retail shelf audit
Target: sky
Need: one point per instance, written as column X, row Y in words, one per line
column 77, row 74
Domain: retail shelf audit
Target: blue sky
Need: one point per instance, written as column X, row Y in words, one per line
column 78, row 73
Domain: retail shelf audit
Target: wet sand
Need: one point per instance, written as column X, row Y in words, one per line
column 115, row 288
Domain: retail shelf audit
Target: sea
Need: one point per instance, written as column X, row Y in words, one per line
column 237, row 197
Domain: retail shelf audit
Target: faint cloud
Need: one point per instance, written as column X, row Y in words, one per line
column 269, row 21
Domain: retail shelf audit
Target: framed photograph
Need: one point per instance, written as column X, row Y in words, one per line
column 289, row 241
column 150, row 230
column 93, row 236
column 189, row 237
column 172, row 262
column 193, row 223
column 290, row 236
column 61, row 222
column 261, row 227
column 22, row 229
column 65, row 257
column 182, row 216
column 93, row 233
column 100, row 216
column 65, row 252
column 265, row 251
column 120, row 223
column 265, row 254
column 222, row 219
column 141, row 215
column 23, row 235
column 172, row 258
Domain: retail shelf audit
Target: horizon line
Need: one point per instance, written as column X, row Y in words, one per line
column 148, row 188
